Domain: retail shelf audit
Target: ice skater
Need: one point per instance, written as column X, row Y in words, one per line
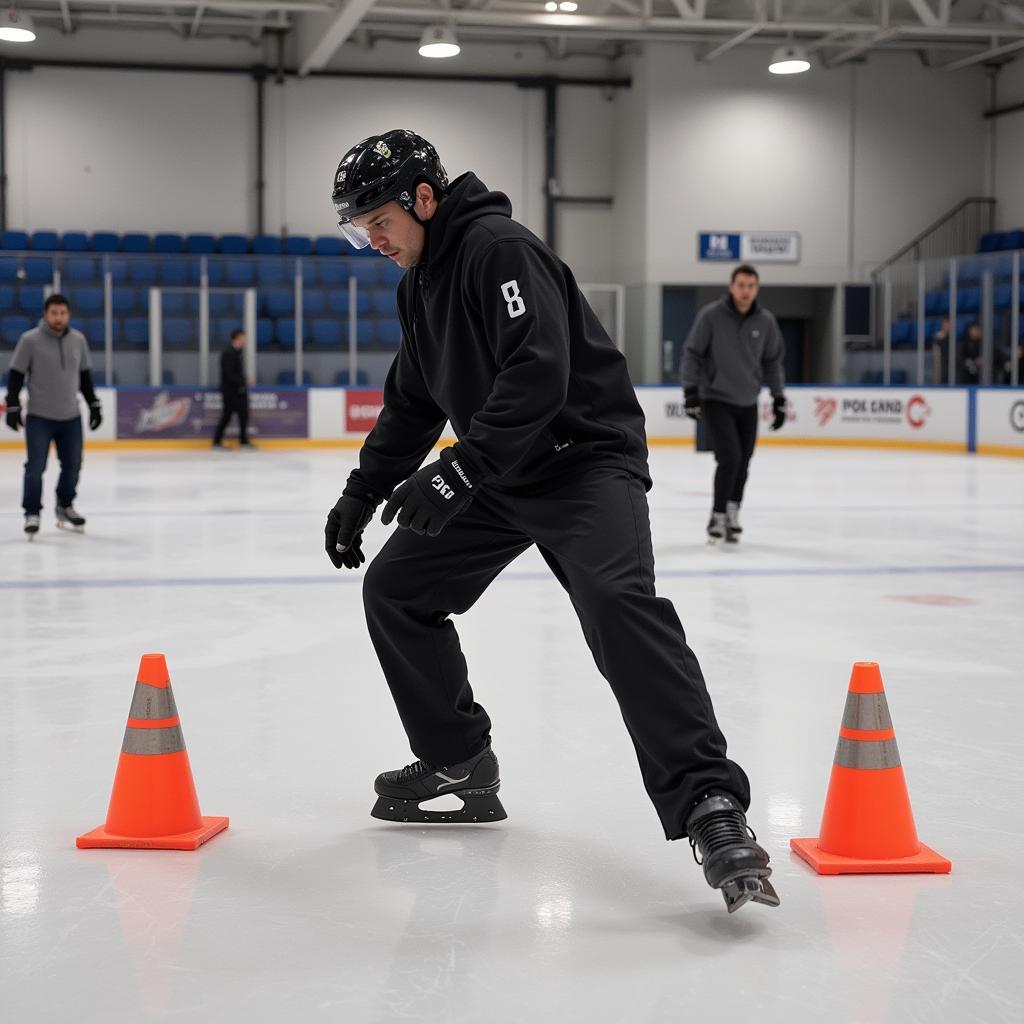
column 734, row 348
column 55, row 359
column 551, row 451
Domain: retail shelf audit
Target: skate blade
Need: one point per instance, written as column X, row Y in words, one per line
column 70, row 527
column 478, row 806
column 746, row 889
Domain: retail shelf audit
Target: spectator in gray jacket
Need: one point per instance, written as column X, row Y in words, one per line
column 734, row 348
column 55, row 359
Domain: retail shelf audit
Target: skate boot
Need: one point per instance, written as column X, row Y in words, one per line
column 716, row 528
column 729, row 853
column 31, row 526
column 732, row 522
column 475, row 782
column 69, row 519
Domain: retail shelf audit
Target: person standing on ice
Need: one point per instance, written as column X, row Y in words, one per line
column 551, row 451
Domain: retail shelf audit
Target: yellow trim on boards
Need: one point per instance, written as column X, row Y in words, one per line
column 1007, row 450
column 836, row 442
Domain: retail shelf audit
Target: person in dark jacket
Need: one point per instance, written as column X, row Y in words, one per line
column 551, row 451
column 234, row 392
column 734, row 348
column 54, row 357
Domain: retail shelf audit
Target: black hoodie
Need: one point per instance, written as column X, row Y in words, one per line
column 498, row 339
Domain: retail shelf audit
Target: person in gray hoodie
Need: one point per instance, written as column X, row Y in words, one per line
column 55, row 359
column 734, row 349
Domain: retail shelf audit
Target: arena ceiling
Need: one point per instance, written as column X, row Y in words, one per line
column 945, row 33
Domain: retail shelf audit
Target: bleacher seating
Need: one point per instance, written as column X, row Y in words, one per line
column 136, row 262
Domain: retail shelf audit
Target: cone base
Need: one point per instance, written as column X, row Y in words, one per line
column 101, row 839
column 926, row 860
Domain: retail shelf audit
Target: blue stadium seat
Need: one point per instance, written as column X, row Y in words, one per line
column 332, row 274
column 201, row 245
column 264, row 331
column 931, row 327
column 314, row 302
column 362, row 379
column 337, row 301
column 233, row 245
column 1002, row 296
column 179, row 332
column 117, row 268
column 135, row 241
column 81, row 268
column 102, row 241
column 44, row 241
column 142, row 271
column 124, row 300
column 384, row 302
column 271, row 272
column 968, row 300
column 95, row 330
column 8, row 298
column 364, row 273
column 14, row 240
column 136, row 331
column 329, row 245
column 239, row 273
column 8, row 269
column 175, row 272
column 991, row 242
column 225, row 304
column 963, row 321
column 30, row 300
column 214, row 271
column 99, row 377
column 87, row 300
column 266, row 245
column 75, row 241
column 298, row 245
column 969, row 272
column 389, row 332
column 284, row 331
column 389, row 275
column 366, row 332
column 898, row 377
column 936, row 302
column 279, row 302
column 326, row 332
column 169, row 243
column 14, row 326
column 175, row 304
column 38, row 269
column 871, row 377
column 167, row 378
column 286, row 378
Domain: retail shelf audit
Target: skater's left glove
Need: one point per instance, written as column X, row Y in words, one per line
column 431, row 497
column 343, row 535
column 95, row 415
column 779, row 411
column 14, row 420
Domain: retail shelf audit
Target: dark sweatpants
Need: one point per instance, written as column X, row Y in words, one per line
column 733, row 430
column 234, row 404
column 593, row 531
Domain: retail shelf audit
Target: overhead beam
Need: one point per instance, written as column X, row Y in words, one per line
column 689, row 11
column 863, row 46
column 343, row 25
column 194, row 27
column 65, row 14
column 979, row 58
column 923, row 10
column 730, row 43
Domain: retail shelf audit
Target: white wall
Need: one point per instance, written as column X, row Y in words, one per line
column 730, row 146
column 1009, row 146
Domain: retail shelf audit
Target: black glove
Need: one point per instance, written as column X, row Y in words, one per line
column 95, row 415
column 343, row 535
column 691, row 403
column 431, row 496
column 779, row 411
column 14, row 420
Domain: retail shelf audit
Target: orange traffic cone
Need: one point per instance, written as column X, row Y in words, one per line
column 868, row 826
column 153, row 805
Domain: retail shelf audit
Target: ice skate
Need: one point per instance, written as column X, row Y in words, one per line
column 729, row 853
column 732, row 522
column 716, row 529
column 69, row 519
column 405, row 795
column 31, row 526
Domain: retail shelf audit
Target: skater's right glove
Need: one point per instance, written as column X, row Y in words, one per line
column 431, row 497
column 343, row 535
column 778, row 411
column 14, row 420
column 691, row 403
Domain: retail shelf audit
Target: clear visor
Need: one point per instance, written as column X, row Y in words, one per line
column 358, row 237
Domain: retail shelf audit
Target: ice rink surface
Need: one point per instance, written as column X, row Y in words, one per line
column 575, row 909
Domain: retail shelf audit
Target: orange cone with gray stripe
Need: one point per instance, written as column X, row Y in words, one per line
column 153, row 805
column 868, row 826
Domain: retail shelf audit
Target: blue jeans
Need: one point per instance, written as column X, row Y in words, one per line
column 39, row 433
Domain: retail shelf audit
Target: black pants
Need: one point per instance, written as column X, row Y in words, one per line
column 733, row 430
column 234, row 404
column 39, row 433
column 594, row 533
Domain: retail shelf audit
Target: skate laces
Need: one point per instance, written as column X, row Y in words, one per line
column 416, row 768
column 717, row 830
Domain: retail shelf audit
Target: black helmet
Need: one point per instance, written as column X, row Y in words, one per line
column 380, row 169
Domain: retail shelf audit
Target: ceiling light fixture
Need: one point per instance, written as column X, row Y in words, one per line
column 789, row 60
column 16, row 27
column 551, row 7
column 439, row 41
column 568, row 6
